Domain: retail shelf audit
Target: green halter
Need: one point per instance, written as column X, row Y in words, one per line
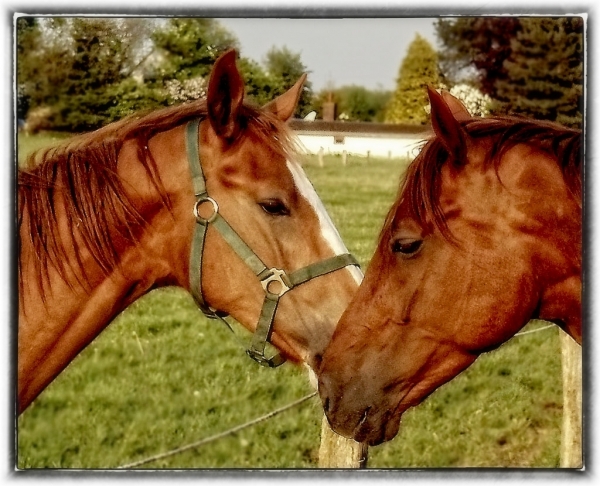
column 275, row 282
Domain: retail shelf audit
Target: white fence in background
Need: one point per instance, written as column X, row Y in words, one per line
column 373, row 145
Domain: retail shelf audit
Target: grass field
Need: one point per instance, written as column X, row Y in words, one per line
column 162, row 376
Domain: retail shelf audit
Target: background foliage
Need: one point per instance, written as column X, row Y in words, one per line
column 545, row 71
column 473, row 49
column 354, row 103
column 77, row 74
column 284, row 68
column 418, row 70
column 531, row 66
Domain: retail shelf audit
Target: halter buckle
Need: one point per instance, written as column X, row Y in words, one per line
column 258, row 357
column 276, row 282
column 215, row 207
column 262, row 360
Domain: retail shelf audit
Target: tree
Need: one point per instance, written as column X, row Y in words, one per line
column 260, row 88
column 80, row 73
column 43, row 59
column 529, row 65
column 97, row 64
column 476, row 103
column 283, row 68
column 354, row 103
column 418, row 70
column 70, row 69
column 545, row 71
column 378, row 100
column 136, row 34
column 27, row 41
column 474, row 49
column 192, row 45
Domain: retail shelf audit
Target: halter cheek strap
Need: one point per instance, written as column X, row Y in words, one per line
column 275, row 282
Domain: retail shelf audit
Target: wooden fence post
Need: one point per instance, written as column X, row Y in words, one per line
column 340, row 453
column 321, row 157
column 571, row 451
column 344, row 156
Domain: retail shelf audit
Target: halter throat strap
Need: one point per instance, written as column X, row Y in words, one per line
column 275, row 282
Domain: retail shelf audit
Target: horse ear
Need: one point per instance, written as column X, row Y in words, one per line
column 284, row 105
column 457, row 107
column 225, row 95
column 447, row 128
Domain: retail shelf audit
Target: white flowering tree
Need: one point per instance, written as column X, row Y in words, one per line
column 186, row 90
column 477, row 103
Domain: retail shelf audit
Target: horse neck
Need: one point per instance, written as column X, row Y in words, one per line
column 560, row 301
column 555, row 233
column 61, row 317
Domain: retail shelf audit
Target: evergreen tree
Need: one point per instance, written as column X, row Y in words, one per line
column 418, row 70
column 545, row 78
column 529, row 65
column 474, row 50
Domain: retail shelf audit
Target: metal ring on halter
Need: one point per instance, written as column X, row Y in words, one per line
column 212, row 217
column 278, row 276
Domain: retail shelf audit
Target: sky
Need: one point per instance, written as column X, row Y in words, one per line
column 365, row 52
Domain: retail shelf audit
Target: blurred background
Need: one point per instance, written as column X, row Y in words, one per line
column 79, row 73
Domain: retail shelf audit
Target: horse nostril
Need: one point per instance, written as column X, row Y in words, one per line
column 317, row 360
column 326, row 405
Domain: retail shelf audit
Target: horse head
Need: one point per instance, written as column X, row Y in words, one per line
column 210, row 196
column 485, row 235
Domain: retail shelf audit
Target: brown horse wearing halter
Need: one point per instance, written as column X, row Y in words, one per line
column 484, row 236
column 208, row 196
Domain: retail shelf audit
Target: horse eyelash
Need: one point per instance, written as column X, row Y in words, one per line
column 280, row 209
column 412, row 247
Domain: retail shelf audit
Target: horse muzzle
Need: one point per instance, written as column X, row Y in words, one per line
column 354, row 414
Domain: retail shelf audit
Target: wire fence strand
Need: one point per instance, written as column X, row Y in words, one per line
column 255, row 421
column 219, row 435
column 534, row 330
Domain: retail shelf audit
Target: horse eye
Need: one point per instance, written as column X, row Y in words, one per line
column 406, row 247
column 274, row 207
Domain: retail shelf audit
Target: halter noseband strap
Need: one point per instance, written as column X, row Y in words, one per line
column 275, row 282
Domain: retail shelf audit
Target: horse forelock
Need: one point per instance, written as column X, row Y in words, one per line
column 82, row 173
column 420, row 187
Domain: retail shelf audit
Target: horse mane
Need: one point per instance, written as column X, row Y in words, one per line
column 81, row 176
column 421, row 184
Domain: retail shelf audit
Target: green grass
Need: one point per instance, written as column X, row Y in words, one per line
column 27, row 144
column 162, row 376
